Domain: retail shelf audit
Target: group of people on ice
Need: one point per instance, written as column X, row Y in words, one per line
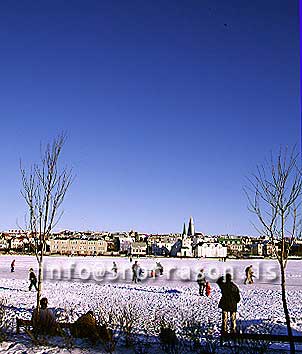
column 230, row 296
column 204, row 285
column 86, row 326
column 137, row 271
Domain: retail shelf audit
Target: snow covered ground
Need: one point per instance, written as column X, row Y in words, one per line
column 74, row 285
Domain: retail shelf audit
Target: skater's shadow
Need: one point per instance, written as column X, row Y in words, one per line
column 28, row 311
column 13, row 289
column 19, row 310
column 170, row 291
column 264, row 326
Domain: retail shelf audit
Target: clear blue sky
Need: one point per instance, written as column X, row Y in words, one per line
column 168, row 105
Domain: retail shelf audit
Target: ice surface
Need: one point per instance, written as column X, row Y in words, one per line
column 176, row 298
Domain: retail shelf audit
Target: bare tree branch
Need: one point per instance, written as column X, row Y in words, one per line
column 274, row 196
column 44, row 188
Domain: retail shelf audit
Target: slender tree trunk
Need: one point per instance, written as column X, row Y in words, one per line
column 40, row 275
column 286, row 313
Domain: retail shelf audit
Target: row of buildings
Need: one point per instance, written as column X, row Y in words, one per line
column 189, row 243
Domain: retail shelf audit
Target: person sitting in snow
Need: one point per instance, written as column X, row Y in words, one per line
column 86, row 327
column 228, row 302
column 43, row 320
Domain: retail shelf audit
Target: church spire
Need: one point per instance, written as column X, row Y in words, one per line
column 191, row 228
column 184, row 231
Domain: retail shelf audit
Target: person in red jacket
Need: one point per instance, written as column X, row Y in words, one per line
column 208, row 289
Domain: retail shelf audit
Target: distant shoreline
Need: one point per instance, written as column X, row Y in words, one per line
column 293, row 258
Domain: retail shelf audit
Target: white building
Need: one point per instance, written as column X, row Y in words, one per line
column 186, row 248
column 210, row 250
column 4, row 244
column 80, row 247
column 269, row 250
column 16, row 243
column 138, row 249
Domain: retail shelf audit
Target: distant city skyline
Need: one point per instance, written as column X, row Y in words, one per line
column 167, row 106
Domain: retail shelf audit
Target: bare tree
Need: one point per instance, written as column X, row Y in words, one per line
column 274, row 195
column 44, row 188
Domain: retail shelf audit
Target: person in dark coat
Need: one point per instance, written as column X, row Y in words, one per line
column 201, row 281
column 114, row 268
column 32, row 279
column 12, row 266
column 159, row 268
column 135, row 270
column 228, row 302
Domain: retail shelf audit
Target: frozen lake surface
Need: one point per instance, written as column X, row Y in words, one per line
column 78, row 284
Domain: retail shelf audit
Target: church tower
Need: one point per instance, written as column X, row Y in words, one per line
column 184, row 231
column 191, row 228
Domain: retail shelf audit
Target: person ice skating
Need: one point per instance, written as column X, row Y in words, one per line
column 201, row 281
column 130, row 259
column 159, row 268
column 228, row 302
column 32, row 279
column 208, row 289
column 249, row 275
column 12, row 266
column 114, row 267
column 140, row 273
column 44, row 321
column 135, row 269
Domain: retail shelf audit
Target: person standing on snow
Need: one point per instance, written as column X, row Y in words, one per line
column 159, row 268
column 135, row 268
column 208, row 289
column 32, row 279
column 114, row 268
column 228, row 302
column 139, row 273
column 201, row 281
column 249, row 274
column 12, row 266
